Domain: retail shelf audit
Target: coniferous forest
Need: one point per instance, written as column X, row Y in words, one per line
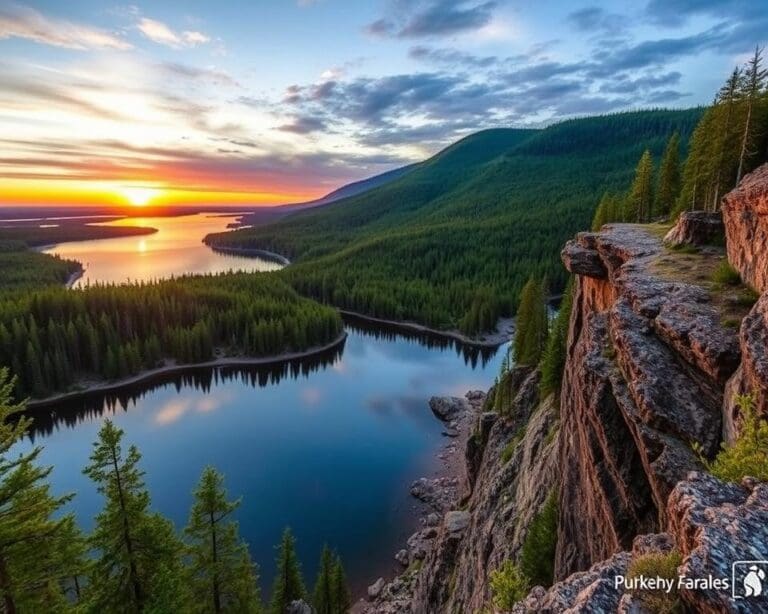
column 53, row 338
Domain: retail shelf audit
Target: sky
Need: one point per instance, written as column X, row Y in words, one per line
column 273, row 101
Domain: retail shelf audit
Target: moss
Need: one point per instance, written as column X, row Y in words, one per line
column 730, row 322
column 665, row 566
column 509, row 450
column 747, row 297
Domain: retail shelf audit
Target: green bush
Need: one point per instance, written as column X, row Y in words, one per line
column 509, row 449
column 654, row 565
column 508, row 586
column 725, row 274
column 537, row 558
column 748, row 455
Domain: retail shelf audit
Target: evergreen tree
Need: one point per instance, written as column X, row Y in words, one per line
column 752, row 86
column 641, row 193
column 532, row 324
column 726, row 137
column 668, row 186
column 288, row 585
column 36, row 558
column 138, row 556
column 342, row 598
column 223, row 578
column 323, row 596
column 553, row 360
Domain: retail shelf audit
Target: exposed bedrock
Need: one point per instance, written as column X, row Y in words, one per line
column 696, row 228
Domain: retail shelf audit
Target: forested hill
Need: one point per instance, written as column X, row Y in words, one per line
column 451, row 243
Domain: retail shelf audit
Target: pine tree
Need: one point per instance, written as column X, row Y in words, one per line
column 342, row 598
column 553, row 360
column 532, row 324
column 138, row 562
column 323, row 599
column 288, row 585
column 725, row 137
column 752, row 86
column 641, row 193
column 668, row 186
column 39, row 555
column 222, row 576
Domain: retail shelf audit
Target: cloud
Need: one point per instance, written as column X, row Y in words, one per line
column 594, row 19
column 622, row 84
column 185, row 71
column 427, row 18
column 677, row 12
column 304, row 125
column 160, row 33
column 24, row 22
column 451, row 57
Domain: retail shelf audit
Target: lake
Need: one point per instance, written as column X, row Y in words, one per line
column 175, row 249
column 327, row 445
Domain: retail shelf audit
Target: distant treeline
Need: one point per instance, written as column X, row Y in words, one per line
column 134, row 560
column 35, row 235
column 730, row 140
column 53, row 338
column 452, row 242
column 21, row 268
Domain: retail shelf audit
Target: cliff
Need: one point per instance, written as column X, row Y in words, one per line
column 658, row 346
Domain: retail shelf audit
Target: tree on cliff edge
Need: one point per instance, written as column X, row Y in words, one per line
column 668, row 186
column 532, row 324
column 641, row 194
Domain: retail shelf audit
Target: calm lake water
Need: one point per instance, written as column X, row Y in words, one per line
column 175, row 249
column 327, row 445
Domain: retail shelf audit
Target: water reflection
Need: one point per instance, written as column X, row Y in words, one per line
column 69, row 413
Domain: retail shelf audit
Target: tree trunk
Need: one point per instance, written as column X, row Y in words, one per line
column 744, row 141
column 133, row 571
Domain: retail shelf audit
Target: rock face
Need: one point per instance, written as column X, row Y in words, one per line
column 505, row 498
column 645, row 369
column 745, row 213
column 710, row 523
column 696, row 228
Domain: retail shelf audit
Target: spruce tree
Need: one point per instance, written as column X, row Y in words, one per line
column 553, row 360
column 752, row 86
column 342, row 597
column 668, row 186
column 222, row 576
column 288, row 585
column 323, row 597
column 641, row 194
column 532, row 324
column 39, row 555
column 137, row 567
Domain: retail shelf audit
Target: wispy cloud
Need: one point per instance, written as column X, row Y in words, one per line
column 425, row 18
column 160, row 33
column 23, row 22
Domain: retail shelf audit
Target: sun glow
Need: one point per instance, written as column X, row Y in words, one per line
column 139, row 197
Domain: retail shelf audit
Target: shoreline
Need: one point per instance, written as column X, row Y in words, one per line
column 176, row 368
column 250, row 251
column 491, row 340
column 74, row 276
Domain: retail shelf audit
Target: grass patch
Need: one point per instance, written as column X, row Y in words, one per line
column 726, row 275
column 685, row 248
column 730, row 322
column 747, row 297
column 509, row 450
column 653, row 565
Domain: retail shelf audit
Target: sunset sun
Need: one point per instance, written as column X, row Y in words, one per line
column 139, row 197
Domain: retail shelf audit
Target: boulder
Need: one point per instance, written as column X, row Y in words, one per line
column 374, row 590
column 448, row 408
column 696, row 228
column 402, row 557
column 456, row 521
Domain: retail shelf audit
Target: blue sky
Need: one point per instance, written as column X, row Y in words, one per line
column 287, row 99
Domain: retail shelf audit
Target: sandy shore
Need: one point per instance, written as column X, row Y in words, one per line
column 505, row 329
column 176, row 368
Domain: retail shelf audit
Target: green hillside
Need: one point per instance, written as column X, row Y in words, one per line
column 451, row 243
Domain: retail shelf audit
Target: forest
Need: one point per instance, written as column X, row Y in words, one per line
column 452, row 242
column 134, row 560
column 54, row 339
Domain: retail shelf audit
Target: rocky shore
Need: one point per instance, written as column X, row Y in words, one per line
column 441, row 498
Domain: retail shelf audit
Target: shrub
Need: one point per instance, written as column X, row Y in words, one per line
column 655, row 564
column 748, row 455
column 537, row 557
column 726, row 274
column 508, row 586
column 747, row 297
column 509, row 449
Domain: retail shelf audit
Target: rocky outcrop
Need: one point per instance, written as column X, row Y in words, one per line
column 696, row 228
column 646, row 365
column 711, row 524
column 745, row 213
column 509, row 489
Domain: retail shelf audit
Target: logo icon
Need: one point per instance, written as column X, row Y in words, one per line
column 749, row 579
